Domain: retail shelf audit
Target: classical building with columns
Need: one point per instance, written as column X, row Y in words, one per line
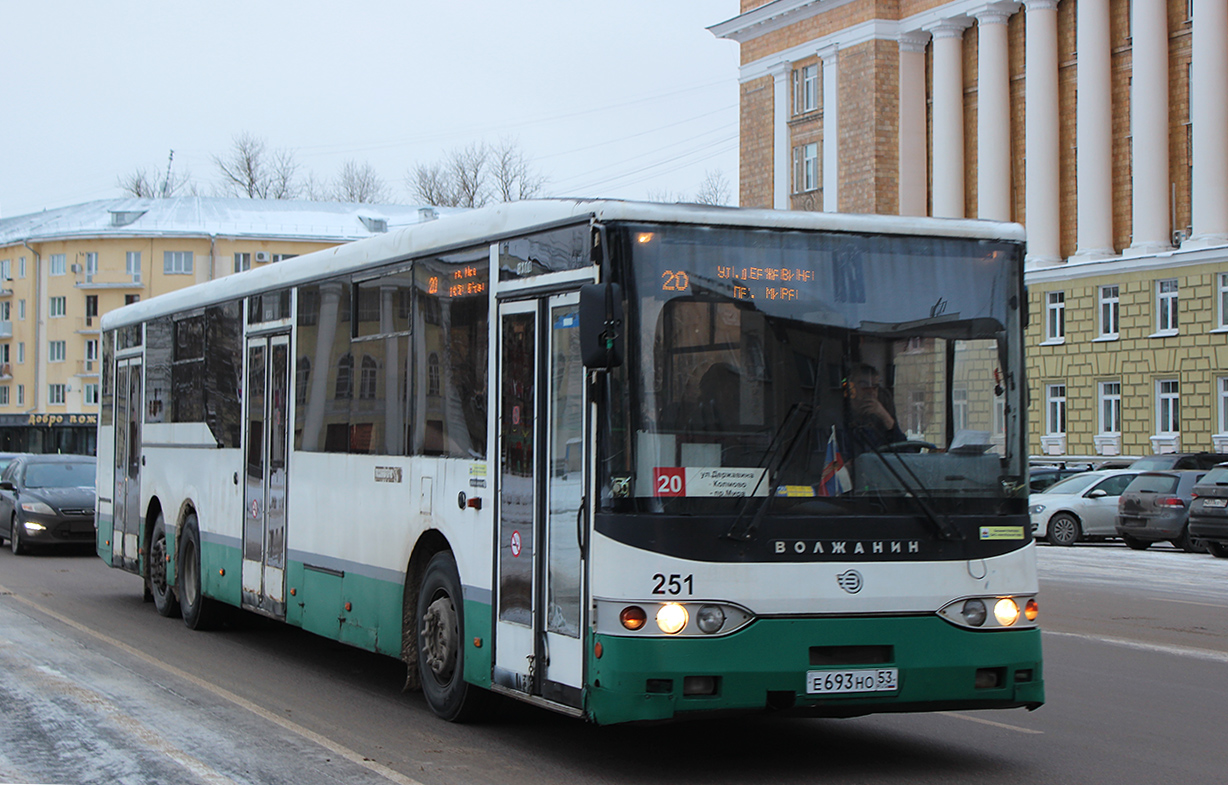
column 1101, row 125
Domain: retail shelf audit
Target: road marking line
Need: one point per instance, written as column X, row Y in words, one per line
column 265, row 714
column 1016, row 728
column 1181, row 651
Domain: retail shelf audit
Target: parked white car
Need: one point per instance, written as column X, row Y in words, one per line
column 1080, row 507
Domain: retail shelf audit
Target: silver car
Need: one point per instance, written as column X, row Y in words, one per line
column 1080, row 507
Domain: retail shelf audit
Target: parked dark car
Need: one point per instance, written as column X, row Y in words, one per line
column 1209, row 511
column 46, row 499
column 1156, row 506
column 1179, row 460
column 1041, row 477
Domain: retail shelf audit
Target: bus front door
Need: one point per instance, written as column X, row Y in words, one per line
column 265, row 447
column 126, row 499
column 539, row 631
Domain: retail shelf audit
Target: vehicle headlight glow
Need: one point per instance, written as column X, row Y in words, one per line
column 974, row 612
column 1036, row 509
column 32, row 526
column 671, row 618
column 38, row 508
column 1006, row 611
column 1031, row 610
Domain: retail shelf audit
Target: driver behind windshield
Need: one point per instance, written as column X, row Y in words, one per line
column 872, row 424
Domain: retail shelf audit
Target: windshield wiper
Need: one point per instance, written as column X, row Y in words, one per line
column 778, row 454
column 940, row 523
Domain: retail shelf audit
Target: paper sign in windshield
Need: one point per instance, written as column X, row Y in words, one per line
column 708, row 481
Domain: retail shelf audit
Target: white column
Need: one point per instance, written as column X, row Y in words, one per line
column 780, row 137
column 913, row 173
column 993, row 113
column 1149, row 127
column 1040, row 134
column 831, row 129
column 1094, row 134
column 949, row 117
column 1209, row 118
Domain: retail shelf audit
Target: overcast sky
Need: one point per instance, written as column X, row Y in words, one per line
column 617, row 98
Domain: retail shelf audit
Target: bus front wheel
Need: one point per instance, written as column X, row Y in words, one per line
column 440, row 629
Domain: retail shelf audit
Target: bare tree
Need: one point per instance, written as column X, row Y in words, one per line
column 140, row 184
column 714, row 189
column 359, row 183
column 250, row 169
column 664, row 196
column 514, row 180
column 475, row 176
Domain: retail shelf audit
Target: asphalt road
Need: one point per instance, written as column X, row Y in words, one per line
column 95, row 687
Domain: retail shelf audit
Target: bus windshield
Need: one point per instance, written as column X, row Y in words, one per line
column 830, row 373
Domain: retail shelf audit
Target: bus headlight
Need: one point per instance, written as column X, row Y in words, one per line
column 974, row 612
column 671, row 618
column 710, row 618
column 1006, row 611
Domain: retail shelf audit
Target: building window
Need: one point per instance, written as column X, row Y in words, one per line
column 134, row 266
column 1055, row 409
column 59, row 306
column 21, row 351
column 1055, row 316
column 1222, row 389
column 21, row 309
column 91, row 266
column 6, row 269
column 55, row 394
column 281, row 257
column 959, row 408
column 805, row 89
column 5, row 311
column 91, row 354
column 177, row 262
column 243, row 261
column 367, row 379
column 4, row 395
column 1168, row 406
column 344, row 388
column 129, row 299
column 91, row 308
column 90, row 392
column 1110, row 301
column 58, row 264
column 1110, row 407
column 21, row 267
column 806, row 167
column 56, row 351
column 21, row 395
column 1166, row 305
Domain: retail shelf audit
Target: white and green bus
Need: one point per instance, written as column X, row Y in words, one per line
column 625, row 461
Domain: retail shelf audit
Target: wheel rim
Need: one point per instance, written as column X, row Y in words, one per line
column 157, row 565
column 1063, row 530
column 440, row 633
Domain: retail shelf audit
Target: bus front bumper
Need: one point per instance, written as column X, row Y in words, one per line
column 765, row 667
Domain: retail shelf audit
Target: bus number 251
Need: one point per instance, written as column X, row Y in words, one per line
column 673, row 584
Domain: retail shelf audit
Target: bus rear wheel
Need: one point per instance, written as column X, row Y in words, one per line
column 440, row 626
column 199, row 612
column 163, row 594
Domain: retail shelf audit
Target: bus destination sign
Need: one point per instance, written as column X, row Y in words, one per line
column 747, row 283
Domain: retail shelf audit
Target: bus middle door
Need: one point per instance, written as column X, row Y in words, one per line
column 126, row 500
column 265, row 447
column 539, row 630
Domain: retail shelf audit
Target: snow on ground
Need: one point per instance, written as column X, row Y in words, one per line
column 1161, row 569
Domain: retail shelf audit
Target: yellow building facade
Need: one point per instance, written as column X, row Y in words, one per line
column 63, row 268
column 1101, row 125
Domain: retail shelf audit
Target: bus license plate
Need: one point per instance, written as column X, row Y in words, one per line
column 843, row 682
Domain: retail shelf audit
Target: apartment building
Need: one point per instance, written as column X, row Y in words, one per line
column 1101, row 125
column 61, row 269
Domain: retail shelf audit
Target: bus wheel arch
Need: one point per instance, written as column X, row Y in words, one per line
column 440, row 641
column 158, row 587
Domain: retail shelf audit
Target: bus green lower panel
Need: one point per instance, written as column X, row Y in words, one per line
column 764, row 667
column 478, row 640
column 356, row 609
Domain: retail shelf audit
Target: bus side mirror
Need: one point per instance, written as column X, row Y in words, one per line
column 601, row 325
